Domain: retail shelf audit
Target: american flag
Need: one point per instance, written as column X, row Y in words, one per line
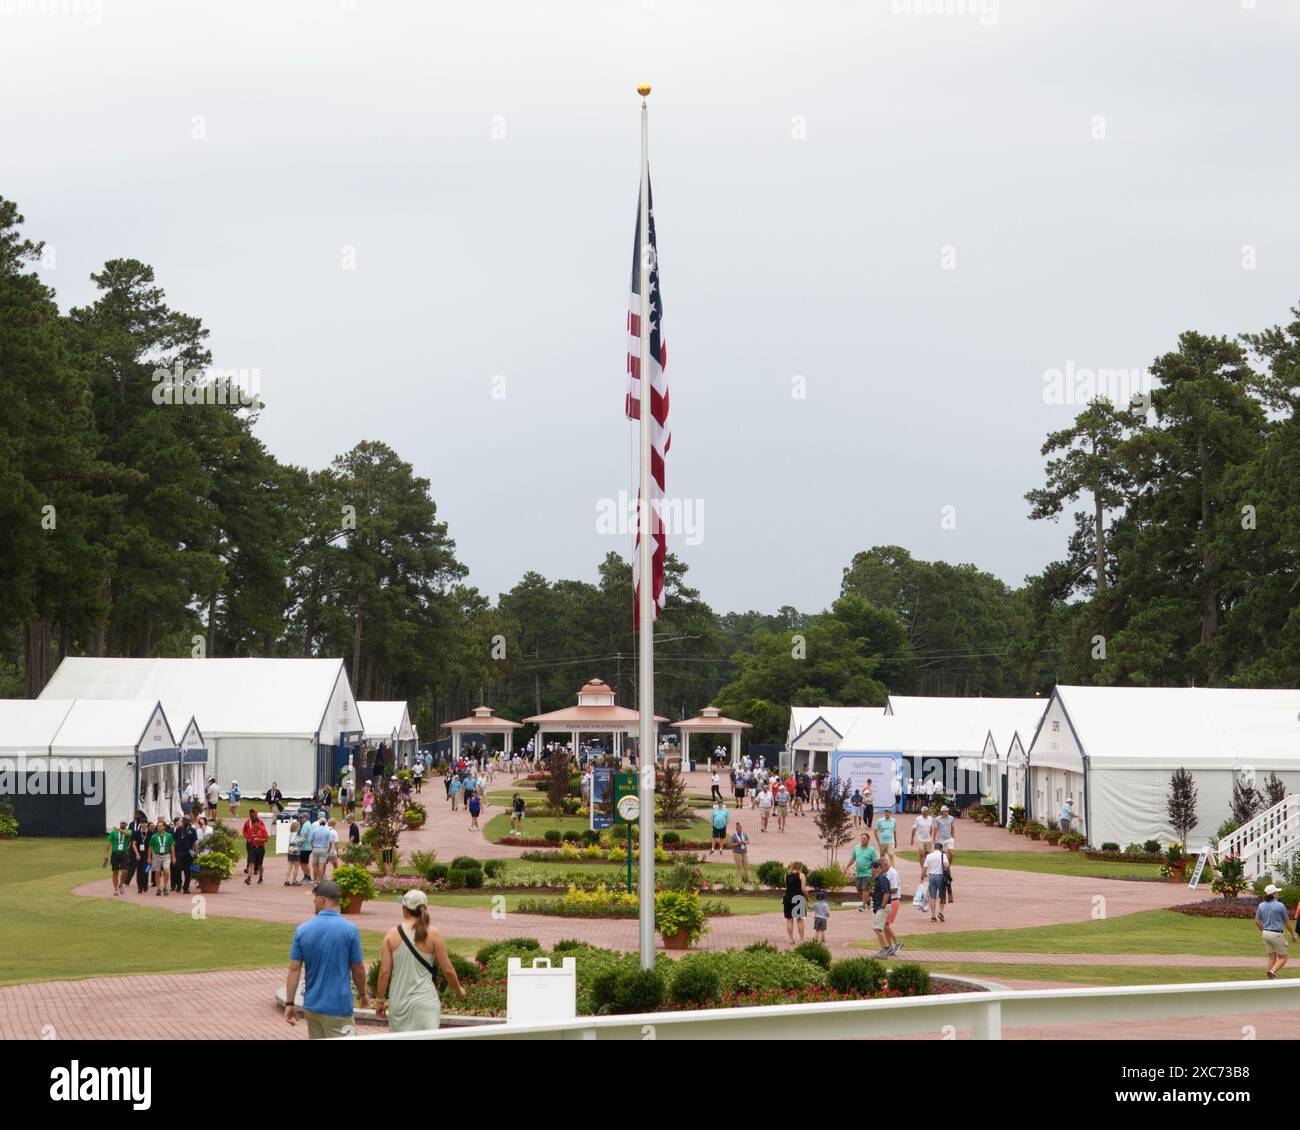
column 660, row 437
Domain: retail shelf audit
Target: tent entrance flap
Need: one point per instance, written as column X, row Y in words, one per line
column 336, row 757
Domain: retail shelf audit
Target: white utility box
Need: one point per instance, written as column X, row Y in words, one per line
column 540, row 993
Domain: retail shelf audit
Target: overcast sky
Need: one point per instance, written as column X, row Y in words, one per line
column 878, row 230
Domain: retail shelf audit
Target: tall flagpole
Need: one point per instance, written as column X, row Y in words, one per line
column 645, row 609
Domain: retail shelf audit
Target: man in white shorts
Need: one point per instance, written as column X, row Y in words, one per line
column 923, row 835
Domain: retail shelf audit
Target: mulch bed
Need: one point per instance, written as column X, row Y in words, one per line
column 1243, row 907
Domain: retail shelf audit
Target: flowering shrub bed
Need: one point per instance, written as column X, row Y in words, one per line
column 1126, row 857
column 1243, row 907
column 612, row 982
column 599, row 902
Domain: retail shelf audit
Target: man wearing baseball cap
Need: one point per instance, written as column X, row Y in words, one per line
column 1274, row 924
column 331, row 948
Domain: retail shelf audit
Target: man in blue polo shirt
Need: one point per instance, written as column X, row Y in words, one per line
column 1274, row 925
column 331, row 947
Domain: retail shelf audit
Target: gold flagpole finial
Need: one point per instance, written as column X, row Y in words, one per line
column 643, row 89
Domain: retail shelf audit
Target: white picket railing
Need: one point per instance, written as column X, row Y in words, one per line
column 1271, row 838
column 983, row 1014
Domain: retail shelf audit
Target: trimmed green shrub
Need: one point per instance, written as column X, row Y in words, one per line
column 552, row 835
column 604, row 989
column 495, row 955
column 437, row 873
column 1110, row 846
column 465, row 863
column 862, row 975
column 570, row 945
column 494, row 867
column 695, row 982
column 672, row 838
column 760, row 947
column 639, row 991
column 464, row 878
column 1151, row 846
column 910, row 979
column 830, row 878
column 570, row 837
column 817, row 952
column 466, row 971
column 771, row 873
column 590, row 836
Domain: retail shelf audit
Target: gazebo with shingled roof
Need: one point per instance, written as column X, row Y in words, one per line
column 482, row 721
column 711, row 721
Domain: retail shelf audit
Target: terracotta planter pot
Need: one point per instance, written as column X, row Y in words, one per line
column 1073, row 847
column 208, row 886
column 353, row 905
column 678, row 941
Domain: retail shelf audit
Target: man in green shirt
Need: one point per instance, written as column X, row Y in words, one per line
column 117, row 850
column 162, row 854
column 863, row 856
column 886, row 828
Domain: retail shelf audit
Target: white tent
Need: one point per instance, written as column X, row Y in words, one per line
column 134, row 743
column 1113, row 750
column 264, row 720
column 815, row 734
column 84, row 765
column 194, row 761
column 390, row 723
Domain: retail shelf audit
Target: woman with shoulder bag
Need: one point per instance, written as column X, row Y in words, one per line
column 407, row 989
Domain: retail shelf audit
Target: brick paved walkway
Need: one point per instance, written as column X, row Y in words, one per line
column 236, row 1004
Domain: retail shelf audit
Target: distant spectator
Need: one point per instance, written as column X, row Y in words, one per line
column 117, row 852
column 255, row 837
column 740, row 852
column 162, row 854
column 274, row 798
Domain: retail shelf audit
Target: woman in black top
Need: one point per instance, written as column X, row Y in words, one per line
column 794, row 902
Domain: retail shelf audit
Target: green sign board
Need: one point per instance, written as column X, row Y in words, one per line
column 627, row 800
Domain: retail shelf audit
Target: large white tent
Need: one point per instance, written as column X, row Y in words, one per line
column 912, row 738
column 1113, row 751
column 388, row 722
column 816, row 732
column 287, row 721
column 76, row 767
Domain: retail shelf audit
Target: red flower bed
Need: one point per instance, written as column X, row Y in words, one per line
column 1243, row 907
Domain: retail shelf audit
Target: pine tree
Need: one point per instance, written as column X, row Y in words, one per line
column 1180, row 804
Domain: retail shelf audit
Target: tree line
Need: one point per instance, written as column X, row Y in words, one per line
column 140, row 515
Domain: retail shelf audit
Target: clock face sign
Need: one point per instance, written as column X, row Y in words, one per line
column 629, row 808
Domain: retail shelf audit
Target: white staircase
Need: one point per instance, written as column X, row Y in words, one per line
column 1273, row 837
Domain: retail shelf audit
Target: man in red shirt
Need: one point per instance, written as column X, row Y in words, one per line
column 255, row 837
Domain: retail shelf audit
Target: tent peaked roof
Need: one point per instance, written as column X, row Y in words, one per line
column 232, row 696
column 28, row 725
column 382, row 719
column 112, row 726
column 1187, row 726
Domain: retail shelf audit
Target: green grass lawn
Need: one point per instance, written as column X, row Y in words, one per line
column 1058, row 862
column 1109, row 974
column 1148, row 931
column 49, row 934
column 536, row 826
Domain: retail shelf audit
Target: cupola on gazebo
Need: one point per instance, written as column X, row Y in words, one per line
column 711, row 721
column 482, row 721
column 596, row 713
